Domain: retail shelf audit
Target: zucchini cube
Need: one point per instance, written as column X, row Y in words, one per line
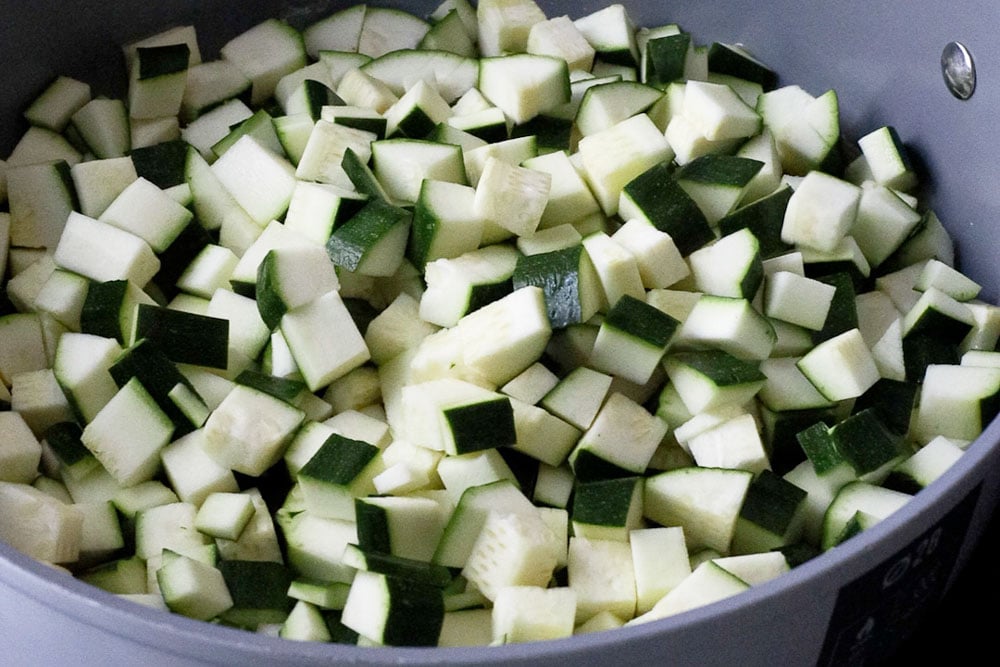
column 292, row 276
column 612, row 158
column 341, row 470
column 772, row 515
column 729, row 267
column 713, row 378
column 660, row 562
column 619, row 443
column 192, row 588
column 568, row 280
column 128, row 433
column 632, row 340
column 533, row 613
column 607, row 509
column 705, row 502
column 259, row 591
column 820, row 212
column 841, row 367
column 602, row 576
column 407, row 527
column 394, row 611
column 887, row 159
column 457, row 417
column 717, row 183
column 233, row 437
column 460, row 285
column 956, row 402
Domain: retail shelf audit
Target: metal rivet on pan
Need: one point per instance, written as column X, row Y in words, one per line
column 958, row 69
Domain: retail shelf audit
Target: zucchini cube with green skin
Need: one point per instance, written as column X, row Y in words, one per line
column 373, row 241
column 612, row 32
column 956, row 402
column 471, row 512
column 417, row 112
column 128, row 433
column 110, row 309
column 806, row 128
column 717, row 182
column 147, row 363
column 407, row 527
column 340, row 471
column 656, row 197
column 445, row 223
column 157, row 81
column 187, row 338
column 887, row 159
column 394, row 611
column 705, row 502
column 61, row 440
column 664, row 55
column 460, row 285
column 772, row 515
column 258, row 590
column 734, row 60
column 632, row 340
column 713, row 378
column 607, row 509
column 568, row 280
column 921, row 468
column 873, row 502
column 457, row 417
column 606, row 104
column 371, row 560
column 249, row 430
column 867, row 444
column 291, row 276
column 619, row 443
column 501, row 339
column 730, row 267
column 324, row 153
column 612, row 158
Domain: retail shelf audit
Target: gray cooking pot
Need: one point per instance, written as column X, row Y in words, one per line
column 850, row 604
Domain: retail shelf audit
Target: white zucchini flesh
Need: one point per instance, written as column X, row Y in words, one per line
column 392, row 351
